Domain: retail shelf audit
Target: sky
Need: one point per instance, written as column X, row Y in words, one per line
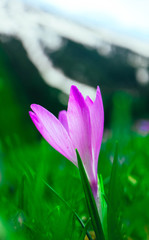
column 123, row 16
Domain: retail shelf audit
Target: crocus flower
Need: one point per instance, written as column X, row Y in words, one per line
column 80, row 127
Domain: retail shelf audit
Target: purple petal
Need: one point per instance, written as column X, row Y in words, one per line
column 78, row 117
column 97, row 123
column 88, row 101
column 94, row 188
column 53, row 131
column 62, row 116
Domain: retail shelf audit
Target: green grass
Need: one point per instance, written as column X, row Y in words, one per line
column 24, row 193
column 29, row 209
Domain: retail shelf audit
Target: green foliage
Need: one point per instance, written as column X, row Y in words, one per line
column 91, row 204
column 14, row 118
column 34, row 211
column 127, row 191
column 29, row 209
column 114, row 196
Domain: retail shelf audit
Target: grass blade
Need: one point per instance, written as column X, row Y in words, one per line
column 103, row 205
column 85, row 230
column 66, row 204
column 113, row 176
column 113, row 197
column 92, row 208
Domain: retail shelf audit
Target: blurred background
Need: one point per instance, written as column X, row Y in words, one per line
column 46, row 46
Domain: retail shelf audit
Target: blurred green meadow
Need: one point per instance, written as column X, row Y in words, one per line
column 41, row 196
